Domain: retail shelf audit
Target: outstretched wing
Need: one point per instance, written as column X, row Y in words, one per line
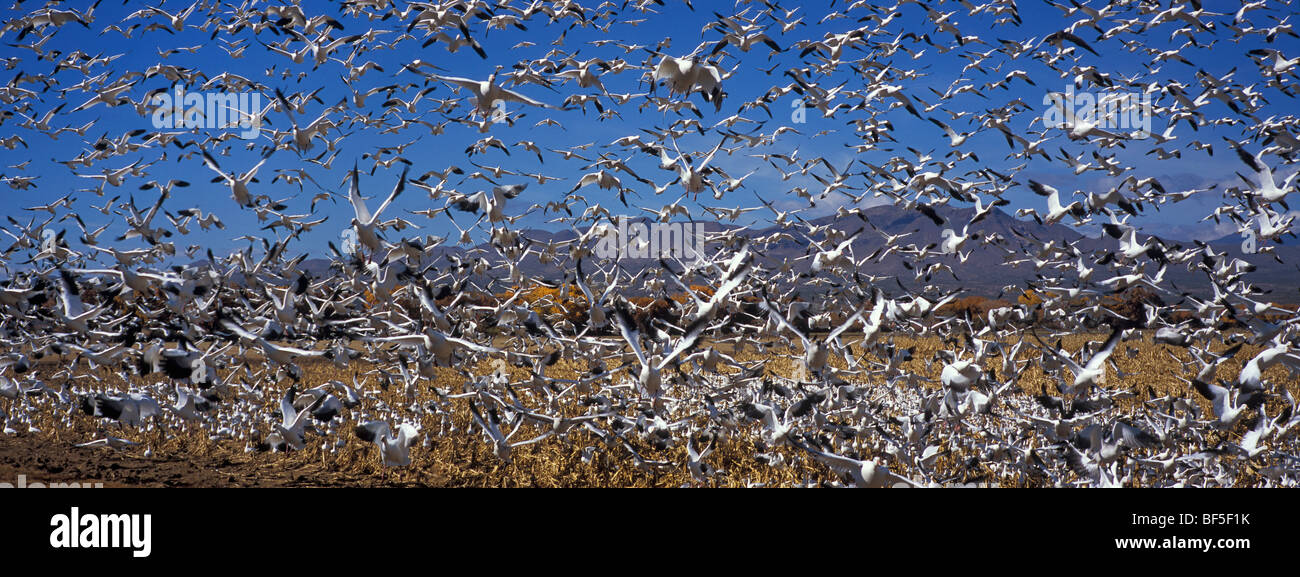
column 354, row 195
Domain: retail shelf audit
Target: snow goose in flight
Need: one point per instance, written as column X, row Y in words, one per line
column 1075, row 127
column 1281, row 64
column 816, row 353
column 488, row 94
column 491, row 426
column 290, row 432
column 394, row 450
column 955, row 138
column 304, row 135
column 140, row 282
column 1055, row 212
column 865, row 473
column 1225, row 402
column 442, row 346
column 596, row 310
column 1090, row 374
column 365, row 221
column 129, row 409
column 238, row 183
column 74, row 313
column 1267, row 190
column 283, row 355
column 895, row 92
column 700, row 470
column 1130, row 248
column 114, row 177
column 189, row 405
column 686, row 75
column 689, row 173
column 1059, row 38
column 176, row 20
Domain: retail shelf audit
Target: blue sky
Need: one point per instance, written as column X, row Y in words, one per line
column 938, row 67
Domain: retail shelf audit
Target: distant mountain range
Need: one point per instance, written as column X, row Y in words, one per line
column 985, row 272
